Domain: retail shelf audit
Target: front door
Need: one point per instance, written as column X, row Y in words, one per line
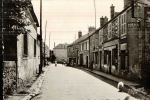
column 100, row 60
column 109, row 61
column 81, row 59
column 87, row 61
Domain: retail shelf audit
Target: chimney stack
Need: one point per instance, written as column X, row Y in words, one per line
column 112, row 11
column 127, row 3
column 79, row 34
column 103, row 20
column 91, row 29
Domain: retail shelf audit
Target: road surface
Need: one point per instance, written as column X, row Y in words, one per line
column 67, row 83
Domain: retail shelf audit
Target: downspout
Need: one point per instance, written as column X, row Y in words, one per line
column 16, row 67
column 89, row 51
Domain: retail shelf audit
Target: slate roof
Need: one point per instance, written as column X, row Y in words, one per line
column 84, row 37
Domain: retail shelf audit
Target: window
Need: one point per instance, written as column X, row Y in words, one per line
column 96, row 58
column 34, row 47
column 87, row 45
column 25, row 39
column 115, row 57
column 82, row 46
column 105, row 57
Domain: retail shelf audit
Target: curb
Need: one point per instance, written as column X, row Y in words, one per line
column 36, row 87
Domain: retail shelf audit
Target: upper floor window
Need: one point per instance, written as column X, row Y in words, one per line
column 25, row 41
column 123, row 24
column 82, row 46
column 34, row 47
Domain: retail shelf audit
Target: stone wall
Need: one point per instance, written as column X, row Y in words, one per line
column 9, row 77
column 28, row 65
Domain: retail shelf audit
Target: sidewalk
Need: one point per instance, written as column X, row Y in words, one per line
column 130, row 87
column 33, row 90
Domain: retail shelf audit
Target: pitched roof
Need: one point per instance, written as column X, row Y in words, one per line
column 84, row 37
column 33, row 15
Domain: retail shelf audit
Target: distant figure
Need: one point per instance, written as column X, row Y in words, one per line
column 55, row 63
column 64, row 63
column 120, row 86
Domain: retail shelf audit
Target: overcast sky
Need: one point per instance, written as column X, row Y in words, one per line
column 66, row 17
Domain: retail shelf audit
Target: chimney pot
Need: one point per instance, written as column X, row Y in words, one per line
column 112, row 11
column 79, row 34
column 91, row 29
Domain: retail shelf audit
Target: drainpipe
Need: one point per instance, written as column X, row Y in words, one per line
column 89, row 51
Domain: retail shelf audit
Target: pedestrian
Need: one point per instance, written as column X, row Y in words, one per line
column 55, row 63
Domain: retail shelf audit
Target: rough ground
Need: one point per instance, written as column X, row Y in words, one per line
column 66, row 83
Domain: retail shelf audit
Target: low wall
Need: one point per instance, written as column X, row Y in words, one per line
column 9, row 77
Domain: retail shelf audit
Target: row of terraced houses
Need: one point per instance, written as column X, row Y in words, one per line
column 120, row 46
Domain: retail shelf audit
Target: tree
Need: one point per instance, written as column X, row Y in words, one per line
column 15, row 19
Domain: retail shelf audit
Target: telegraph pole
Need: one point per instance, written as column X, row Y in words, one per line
column 95, row 11
column 45, row 43
column 41, row 45
column 49, row 49
column 49, row 40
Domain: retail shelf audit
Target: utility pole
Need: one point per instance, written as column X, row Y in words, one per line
column 45, row 43
column 41, row 45
column 49, row 40
column 132, row 4
column 95, row 11
column 54, row 44
column 1, row 48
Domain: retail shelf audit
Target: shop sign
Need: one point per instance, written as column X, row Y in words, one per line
column 133, row 25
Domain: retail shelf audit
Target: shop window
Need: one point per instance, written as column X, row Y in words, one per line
column 123, row 59
column 105, row 57
column 114, row 57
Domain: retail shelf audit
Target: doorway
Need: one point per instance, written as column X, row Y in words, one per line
column 87, row 61
column 81, row 59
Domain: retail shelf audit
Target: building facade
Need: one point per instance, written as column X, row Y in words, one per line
column 121, row 45
column 21, row 46
column 60, row 52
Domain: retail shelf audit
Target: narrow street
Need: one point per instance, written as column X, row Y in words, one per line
column 67, row 83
